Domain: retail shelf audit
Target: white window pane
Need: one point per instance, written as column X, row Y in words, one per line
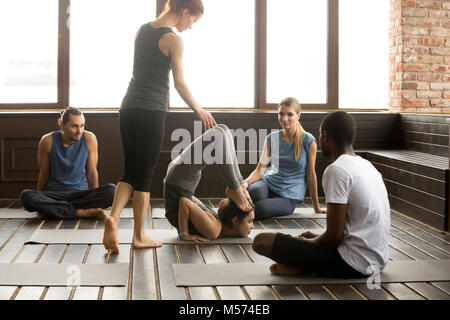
column 297, row 50
column 218, row 58
column 102, row 48
column 29, row 51
column 363, row 54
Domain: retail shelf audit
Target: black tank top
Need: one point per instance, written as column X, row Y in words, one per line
column 149, row 87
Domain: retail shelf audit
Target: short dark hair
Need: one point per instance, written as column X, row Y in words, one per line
column 65, row 115
column 227, row 213
column 341, row 127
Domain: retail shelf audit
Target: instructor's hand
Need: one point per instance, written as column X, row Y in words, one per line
column 207, row 119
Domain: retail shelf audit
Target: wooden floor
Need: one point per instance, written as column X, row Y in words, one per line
column 151, row 276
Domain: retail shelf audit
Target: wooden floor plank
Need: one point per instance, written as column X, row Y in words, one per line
column 395, row 254
column 316, row 292
column 373, row 294
column 418, row 244
column 288, row 224
column 231, row 293
column 74, row 255
column 20, row 232
column 288, row 293
column 6, row 292
column 166, row 256
column 190, row 254
column 428, row 291
column 422, row 235
column 213, row 254
column 256, row 258
column 260, row 293
column 444, row 286
column 408, row 249
column 144, row 284
column 344, row 292
column 29, row 254
column 307, row 224
column 438, row 234
column 401, row 292
column 118, row 293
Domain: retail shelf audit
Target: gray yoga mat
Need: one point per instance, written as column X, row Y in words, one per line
column 248, row 274
column 41, row 274
column 95, row 236
column 299, row 213
column 8, row 213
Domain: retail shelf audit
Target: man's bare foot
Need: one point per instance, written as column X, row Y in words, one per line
column 110, row 240
column 96, row 213
column 145, row 242
column 238, row 197
column 282, row 269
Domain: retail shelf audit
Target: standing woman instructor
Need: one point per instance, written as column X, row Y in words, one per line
column 142, row 113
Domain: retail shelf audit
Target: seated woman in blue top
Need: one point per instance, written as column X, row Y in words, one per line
column 291, row 153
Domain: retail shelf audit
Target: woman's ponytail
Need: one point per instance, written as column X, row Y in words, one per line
column 177, row 6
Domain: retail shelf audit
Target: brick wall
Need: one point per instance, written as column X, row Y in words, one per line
column 419, row 36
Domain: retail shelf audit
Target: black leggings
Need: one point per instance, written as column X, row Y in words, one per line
column 142, row 133
column 267, row 203
column 64, row 204
column 311, row 257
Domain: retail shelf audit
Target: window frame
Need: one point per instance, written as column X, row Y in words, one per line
column 260, row 85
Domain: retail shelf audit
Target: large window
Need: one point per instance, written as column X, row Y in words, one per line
column 29, row 51
column 219, row 56
column 102, row 42
column 297, row 50
column 241, row 54
column 363, row 54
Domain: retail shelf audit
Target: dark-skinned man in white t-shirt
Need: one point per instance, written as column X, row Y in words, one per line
column 355, row 242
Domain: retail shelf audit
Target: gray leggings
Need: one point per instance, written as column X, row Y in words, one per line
column 214, row 148
column 269, row 204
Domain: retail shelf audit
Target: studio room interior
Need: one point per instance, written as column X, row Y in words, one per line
column 224, row 150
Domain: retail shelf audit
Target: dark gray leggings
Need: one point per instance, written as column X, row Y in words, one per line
column 311, row 257
column 269, row 204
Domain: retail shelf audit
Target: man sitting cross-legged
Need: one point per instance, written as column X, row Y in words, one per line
column 68, row 179
column 355, row 242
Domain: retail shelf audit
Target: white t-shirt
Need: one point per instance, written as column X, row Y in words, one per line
column 354, row 181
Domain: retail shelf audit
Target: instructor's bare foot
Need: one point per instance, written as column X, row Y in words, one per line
column 145, row 242
column 96, row 213
column 282, row 269
column 110, row 240
column 238, row 197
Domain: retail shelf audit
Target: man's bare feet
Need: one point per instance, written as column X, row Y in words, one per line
column 145, row 242
column 96, row 213
column 238, row 197
column 282, row 269
column 110, row 240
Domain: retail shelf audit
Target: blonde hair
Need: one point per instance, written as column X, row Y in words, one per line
column 298, row 133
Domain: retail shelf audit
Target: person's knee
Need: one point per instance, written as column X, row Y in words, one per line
column 26, row 196
column 182, row 202
column 262, row 211
column 261, row 244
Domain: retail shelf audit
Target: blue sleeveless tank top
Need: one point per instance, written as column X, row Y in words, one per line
column 67, row 165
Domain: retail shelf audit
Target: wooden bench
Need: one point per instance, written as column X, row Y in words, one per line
column 416, row 175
